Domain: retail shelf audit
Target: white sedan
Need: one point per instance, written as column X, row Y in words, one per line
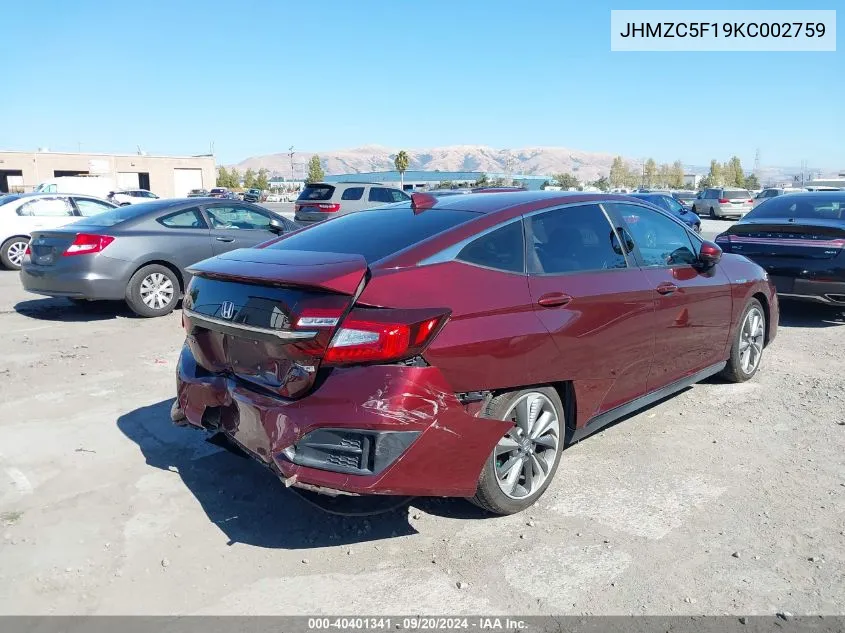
column 131, row 196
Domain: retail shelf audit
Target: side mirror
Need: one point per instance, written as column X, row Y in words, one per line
column 276, row 226
column 709, row 254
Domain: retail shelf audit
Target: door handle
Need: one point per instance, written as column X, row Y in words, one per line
column 666, row 288
column 225, row 239
column 554, row 299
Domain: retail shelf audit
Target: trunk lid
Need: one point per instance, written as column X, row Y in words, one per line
column 47, row 247
column 242, row 312
column 787, row 240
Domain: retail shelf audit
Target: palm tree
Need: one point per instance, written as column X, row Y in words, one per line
column 401, row 163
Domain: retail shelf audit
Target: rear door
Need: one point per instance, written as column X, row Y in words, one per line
column 378, row 196
column 235, row 225
column 598, row 308
column 693, row 307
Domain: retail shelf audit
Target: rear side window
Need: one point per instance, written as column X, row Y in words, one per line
column 46, row 207
column 353, row 193
column 573, row 239
column 190, row 219
column 502, row 249
column 317, row 192
column 121, row 214
column 374, row 234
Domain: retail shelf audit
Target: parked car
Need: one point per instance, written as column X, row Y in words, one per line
column 452, row 346
column 321, row 201
column 273, row 197
column 131, row 196
column 252, row 195
column 686, row 198
column 219, row 192
column 799, row 239
column 773, row 192
column 668, row 203
column 723, row 202
column 198, row 193
column 140, row 253
column 23, row 213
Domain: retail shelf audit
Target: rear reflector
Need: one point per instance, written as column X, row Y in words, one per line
column 86, row 244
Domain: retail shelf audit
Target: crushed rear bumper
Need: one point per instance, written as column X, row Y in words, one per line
column 447, row 449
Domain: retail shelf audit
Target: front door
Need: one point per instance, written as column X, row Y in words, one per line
column 693, row 306
column 597, row 306
column 236, row 225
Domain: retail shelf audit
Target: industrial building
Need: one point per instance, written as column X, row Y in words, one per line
column 415, row 180
column 166, row 176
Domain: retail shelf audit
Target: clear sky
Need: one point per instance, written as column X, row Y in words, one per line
column 255, row 77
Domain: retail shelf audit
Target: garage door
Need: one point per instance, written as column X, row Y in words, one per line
column 186, row 179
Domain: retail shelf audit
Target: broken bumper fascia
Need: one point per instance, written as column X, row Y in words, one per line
column 445, row 459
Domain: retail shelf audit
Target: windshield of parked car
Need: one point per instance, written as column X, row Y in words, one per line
column 799, row 206
column 376, row 233
column 121, row 214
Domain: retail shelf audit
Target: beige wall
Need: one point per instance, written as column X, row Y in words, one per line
column 37, row 167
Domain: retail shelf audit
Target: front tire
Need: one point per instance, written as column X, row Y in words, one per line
column 748, row 343
column 12, row 252
column 152, row 291
column 524, row 461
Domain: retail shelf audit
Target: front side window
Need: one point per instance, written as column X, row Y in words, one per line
column 188, row 219
column 573, row 239
column 46, row 207
column 502, row 249
column 237, row 217
column 398, row 196
column 379, row 194
column 353, row 193
column 88, row 207
column 661, row 240
column 672, row 205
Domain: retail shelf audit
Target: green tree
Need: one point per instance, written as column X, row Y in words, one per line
column 650, row 172
column 262, row 181
column 676, row 175
column 752, row 182
column 222, row 177
column 401, row 163
column 733, row 173
column 663, row 175
column 618, row 172
column 566, row 181
column 249, row 178
column 482, row 181
column 445, row 184
column 602, row 184
column 315, row 170
column 234, row 179
column 716, row 175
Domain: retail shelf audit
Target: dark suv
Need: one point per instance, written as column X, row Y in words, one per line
column 321, row 201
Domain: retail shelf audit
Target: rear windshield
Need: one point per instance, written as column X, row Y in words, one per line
column 685, row 196
column 7, row 198
column 316, row 192
column 376, row 233
column 121, row 214
column 737, row 193
column 798, row 206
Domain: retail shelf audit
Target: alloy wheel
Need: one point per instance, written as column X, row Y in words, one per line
column 751, row 340
column 16, row 252
column 525, row 456
column 156, row 291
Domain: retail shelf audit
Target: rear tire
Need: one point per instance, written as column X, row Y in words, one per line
column 12, row 251
column 748, row 342
column 153, row 291
column 713, row 215
column 532, row 448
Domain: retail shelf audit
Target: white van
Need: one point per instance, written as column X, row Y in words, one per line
column 92, row 185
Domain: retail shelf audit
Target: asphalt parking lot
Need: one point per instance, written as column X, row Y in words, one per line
column 723, row 499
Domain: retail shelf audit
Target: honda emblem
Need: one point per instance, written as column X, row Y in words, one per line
column 227, row 309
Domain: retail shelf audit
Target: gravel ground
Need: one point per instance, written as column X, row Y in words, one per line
column 722, row 499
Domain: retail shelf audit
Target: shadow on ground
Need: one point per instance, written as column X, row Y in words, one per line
column 56, row 309
column 809, row 315
column 249, row 503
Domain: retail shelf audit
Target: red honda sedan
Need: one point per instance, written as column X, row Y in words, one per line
column 454, row 346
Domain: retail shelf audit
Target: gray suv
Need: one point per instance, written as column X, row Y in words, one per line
column 321, row 200
column 723, row 202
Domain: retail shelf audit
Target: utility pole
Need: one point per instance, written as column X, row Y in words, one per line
column 757, row 163
column 291, row 153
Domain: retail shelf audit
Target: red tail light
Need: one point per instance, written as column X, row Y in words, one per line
column 751, row 201
column 364, row 338
column 87, row 244
column 329, row 208
column 723, row 200
column 28, row 250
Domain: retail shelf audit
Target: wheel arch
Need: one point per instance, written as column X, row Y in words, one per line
column 764, row 301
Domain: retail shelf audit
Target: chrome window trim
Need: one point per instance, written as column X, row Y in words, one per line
column 284, row 335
